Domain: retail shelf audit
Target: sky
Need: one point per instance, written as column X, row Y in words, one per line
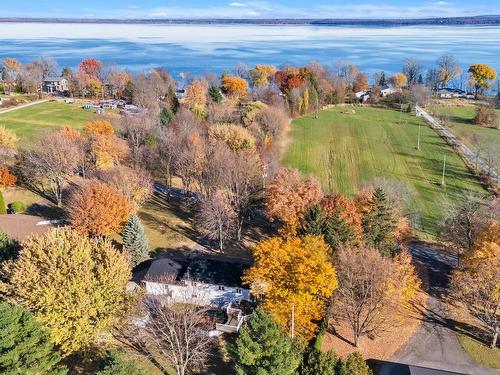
column 247, row 9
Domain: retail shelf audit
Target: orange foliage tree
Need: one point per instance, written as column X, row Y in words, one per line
column 398, row 80
column 196, row 94
column 347, row 209
column 107, row 149
column 7, row 179
column 293, row 271
column 91, row 67
column 288, row 197
column 98, row 209
column 234, row 86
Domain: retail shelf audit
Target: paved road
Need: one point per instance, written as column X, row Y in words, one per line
column 23, row 106
column 435, row 345
column 466, row 151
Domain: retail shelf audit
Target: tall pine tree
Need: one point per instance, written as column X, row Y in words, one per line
column 135, row 241
column 379, row 224
column 263, row 348
column 337, row 232
column 24, row 347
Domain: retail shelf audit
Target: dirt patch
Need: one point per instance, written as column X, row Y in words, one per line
column 383, row 346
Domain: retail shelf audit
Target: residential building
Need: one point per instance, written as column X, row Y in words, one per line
column 55, row 85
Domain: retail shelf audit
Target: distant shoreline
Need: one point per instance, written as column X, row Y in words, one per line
column 490, row 20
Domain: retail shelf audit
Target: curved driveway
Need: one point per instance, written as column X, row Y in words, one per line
column 435, row 345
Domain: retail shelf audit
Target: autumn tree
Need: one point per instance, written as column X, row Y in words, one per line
column 106, row 148
column 134, row 183
column 8, row 142
column 10, row 68
column 398, row 80
column 30, row 78
column 288, row 197
column 54, row 165
column 25, row 346
column 360, row 82
column 179, row 334
column 135, row 241
column 477, row 283
column 236, row 137
column 91, row 67
column 196, row 95
column 486, row 116
column 449, row 68
column 234, row 86
column 481, row 76
column 261, row 75
column 7, row 179
column 371, row 289
column 75, row 286
column 98, row 209
column 293, row 272
column 118, row 82
column 263, row 348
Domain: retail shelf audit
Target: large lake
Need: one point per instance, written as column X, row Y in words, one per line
column 200, row 48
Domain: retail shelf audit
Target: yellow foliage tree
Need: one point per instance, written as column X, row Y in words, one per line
column 293, row 271
column 8, row 141
column 196, row 94
column 107, row 149
column 234, row 86
column 236, row 137
column 398, row 80
column 481, row 76
column 477, row 283
column 75, row 286
column 261, row 75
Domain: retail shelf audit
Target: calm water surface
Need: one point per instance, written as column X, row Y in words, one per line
column 200, row 48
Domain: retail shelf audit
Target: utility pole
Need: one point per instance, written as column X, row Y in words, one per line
column 444, row 171
column 293, row 320
column 418, row 137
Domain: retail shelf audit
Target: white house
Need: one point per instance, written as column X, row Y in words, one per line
column 387, row 90
column 204, row 282
column 362, row 96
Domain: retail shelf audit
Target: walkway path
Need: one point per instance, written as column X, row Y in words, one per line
column 461, row 147
column 23, row 106
column 435, row 344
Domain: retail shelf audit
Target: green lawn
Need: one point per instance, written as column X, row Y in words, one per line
column 28, row 123
column 459, row 120
column 354, row 148
column 480, row 352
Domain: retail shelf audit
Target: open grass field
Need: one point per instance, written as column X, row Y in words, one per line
column 345, row 150
column 30, row 122
column 459, row 120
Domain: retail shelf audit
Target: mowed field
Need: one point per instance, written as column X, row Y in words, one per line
column 30, row 122
column 345, row 150
column 459, row 120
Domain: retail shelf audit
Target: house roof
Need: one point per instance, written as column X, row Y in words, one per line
column 54, row 79
column 208, row 271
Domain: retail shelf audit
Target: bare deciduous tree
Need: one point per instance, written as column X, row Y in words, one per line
column 180, row 334
column 54, row 165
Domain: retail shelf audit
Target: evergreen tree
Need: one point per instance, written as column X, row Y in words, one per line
column 135, row 241
column 117, row 364
column 3, row 209
column 263, row 348
column 165, row 116
column 379, row 224
column 316, row 362
column 337, row 232
column 24, row 347
column 355, row 365
column 9, row 248
column 215, row 94
column 314, row 221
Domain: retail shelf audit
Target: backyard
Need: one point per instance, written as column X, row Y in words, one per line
column 345, row 148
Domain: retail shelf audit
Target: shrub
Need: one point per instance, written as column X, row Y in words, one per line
column 7, row 179
column 9, row 248
column 117, row 363
column 355, row 365
column 3, row 210
column 17, row 206
column 486, row 116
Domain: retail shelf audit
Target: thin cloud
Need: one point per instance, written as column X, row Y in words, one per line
column 238, row 5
